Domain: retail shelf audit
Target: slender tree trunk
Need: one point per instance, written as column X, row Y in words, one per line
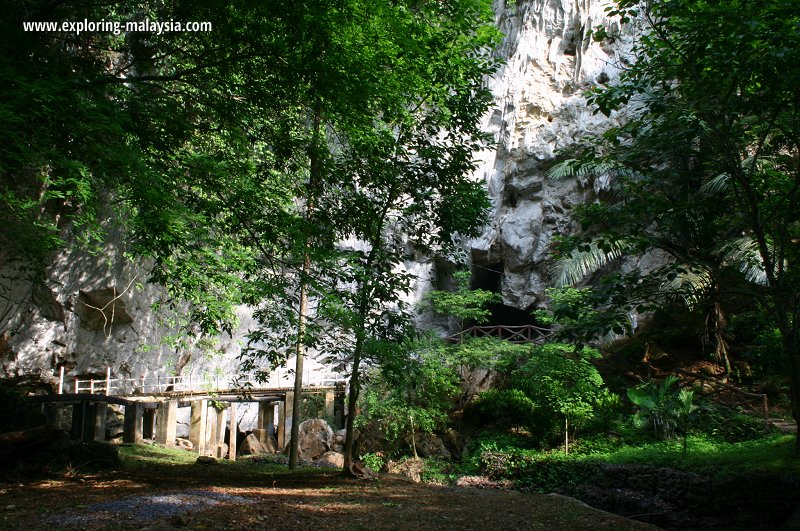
column 790, row 347
column 302, row 316
column 352, row 400
column 720, row 340
column 300, row 351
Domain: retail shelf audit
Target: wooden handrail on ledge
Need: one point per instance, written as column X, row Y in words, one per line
column 514, row 334
column 718, row 387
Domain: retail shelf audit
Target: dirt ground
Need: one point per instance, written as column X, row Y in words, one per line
column 202, row 497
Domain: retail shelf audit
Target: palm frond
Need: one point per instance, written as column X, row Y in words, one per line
column 600, row 173
column 743, row 254
column 721, row 184
column 689, row 285
column 577, row 265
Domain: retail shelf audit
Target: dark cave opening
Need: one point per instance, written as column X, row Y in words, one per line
column 490, row 278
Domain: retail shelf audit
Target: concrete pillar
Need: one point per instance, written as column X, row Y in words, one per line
column 167, row 422
column 280, row 434
column 212, row 423
column 133, row 424
column 198, row 424
column 100, row 411
column 78, row 414
column 149, row 424
column 266, row 417
column 218, row 440
column 329, row 411
column 89, row 421
column 233, row 429
column 53, row 414
column 285, row 422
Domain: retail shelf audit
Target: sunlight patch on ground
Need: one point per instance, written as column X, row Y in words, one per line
column 146, row 508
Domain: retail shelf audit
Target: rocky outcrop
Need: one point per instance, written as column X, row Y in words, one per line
column 315, row 439
column 252, row 446
column 540, row 112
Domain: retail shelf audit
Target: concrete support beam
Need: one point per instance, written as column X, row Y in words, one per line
column 54, row 415
column 285, row 421
column 233, row 429
column 212, row 423
column 100, row 411
column 167, row 422
column 149, row 424
column 198, row 425
column 89, row 421
column 133, row 423
column 266, row 417
column 218, row 437
column 329, row 409
column 78, row 414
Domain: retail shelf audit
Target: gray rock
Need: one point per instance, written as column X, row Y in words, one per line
column 315, row 439
column 184, row 444
column 252, row 446
column 335, row 459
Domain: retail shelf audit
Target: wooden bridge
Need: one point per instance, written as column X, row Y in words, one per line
column 514, row 334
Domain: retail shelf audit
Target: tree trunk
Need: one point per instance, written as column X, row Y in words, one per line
column 300, row 351
column 300, row 347
column 352, row 400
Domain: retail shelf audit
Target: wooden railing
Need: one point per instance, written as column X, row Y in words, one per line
column 165, row 383
column 514, row 334
column 719, row 391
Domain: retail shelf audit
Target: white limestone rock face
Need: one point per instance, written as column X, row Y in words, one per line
column 95, row 313
column 540, row 111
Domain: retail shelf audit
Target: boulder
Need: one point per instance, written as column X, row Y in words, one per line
column 266, row 439
column 432, row 446
column 184, row 444
column 205, row 460
column 410, row 468
column 338, row 441
column 315, row 439
column 221, row 451
column 252, row 446
column 335, row 459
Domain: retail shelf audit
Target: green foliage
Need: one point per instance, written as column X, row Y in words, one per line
column 727, row 425
column 582, row 315
column 506, row 408
column 709, row 173
column 373, row 461
column 668, row 410
column 560, row 379
column 464, row 304
column 411, row 394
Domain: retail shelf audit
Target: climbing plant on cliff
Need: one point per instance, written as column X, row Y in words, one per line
column 713, row 106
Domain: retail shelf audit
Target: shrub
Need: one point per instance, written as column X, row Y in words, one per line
column 374, row 461
column 507, row 408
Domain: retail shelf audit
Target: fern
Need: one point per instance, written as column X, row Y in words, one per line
column 579, row 264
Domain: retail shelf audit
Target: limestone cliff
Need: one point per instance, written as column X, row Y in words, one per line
column 550, row 61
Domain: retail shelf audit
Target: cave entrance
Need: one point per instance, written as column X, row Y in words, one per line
column 490, row 278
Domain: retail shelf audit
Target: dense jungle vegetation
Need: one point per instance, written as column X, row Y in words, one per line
column 296, row 155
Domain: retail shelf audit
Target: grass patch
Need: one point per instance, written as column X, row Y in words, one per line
column 500, row 457
column 137, row 455
column 141, row 456
column 711, row 457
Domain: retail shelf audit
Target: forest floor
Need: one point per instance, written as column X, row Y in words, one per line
column 229, row 496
